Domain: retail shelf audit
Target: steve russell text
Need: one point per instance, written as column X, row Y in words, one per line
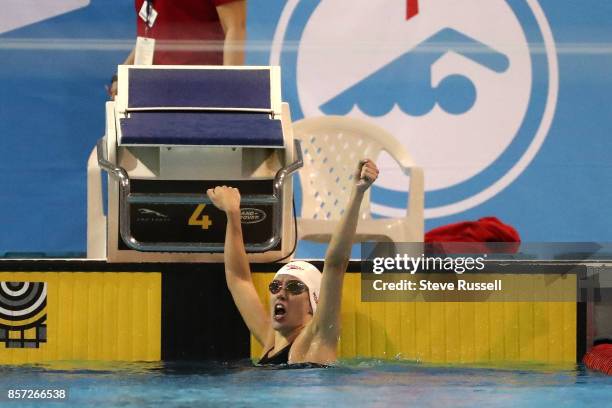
column 427, row 285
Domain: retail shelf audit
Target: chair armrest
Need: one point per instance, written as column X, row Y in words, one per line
column 416, row 187
column 399, row 153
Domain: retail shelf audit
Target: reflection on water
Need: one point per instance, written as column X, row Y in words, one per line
column 360, row 382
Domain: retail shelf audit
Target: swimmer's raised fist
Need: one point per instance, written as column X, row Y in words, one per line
column 225, row 198
column 366, row 174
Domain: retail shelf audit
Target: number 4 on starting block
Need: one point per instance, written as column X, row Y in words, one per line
column 195, row 219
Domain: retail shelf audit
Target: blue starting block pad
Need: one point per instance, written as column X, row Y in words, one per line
column 201, row 128
column 231, row 89
column 202, row 106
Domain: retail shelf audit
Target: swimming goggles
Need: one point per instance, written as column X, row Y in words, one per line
column 295, row 287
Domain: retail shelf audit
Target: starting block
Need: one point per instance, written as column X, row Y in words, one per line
column 172, row 133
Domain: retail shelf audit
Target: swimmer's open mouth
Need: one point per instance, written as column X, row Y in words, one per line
column 279, row 311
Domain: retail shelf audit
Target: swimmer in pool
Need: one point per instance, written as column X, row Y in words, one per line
column 302, row 324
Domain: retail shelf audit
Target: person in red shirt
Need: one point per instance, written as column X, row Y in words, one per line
column 191, row 32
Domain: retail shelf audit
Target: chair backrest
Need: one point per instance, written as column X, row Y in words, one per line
column 332, row 146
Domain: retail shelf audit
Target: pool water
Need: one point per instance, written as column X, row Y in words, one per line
column 352, row 383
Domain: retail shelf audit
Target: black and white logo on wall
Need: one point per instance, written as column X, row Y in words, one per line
column 23, row 314
column 469, row 87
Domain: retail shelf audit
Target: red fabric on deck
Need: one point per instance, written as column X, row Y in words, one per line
column 488, row 229
column 599, row 358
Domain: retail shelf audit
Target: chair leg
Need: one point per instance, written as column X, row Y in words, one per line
column 96, row 220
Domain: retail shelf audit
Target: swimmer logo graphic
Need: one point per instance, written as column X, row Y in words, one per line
column 23, row 314
column 469, row 88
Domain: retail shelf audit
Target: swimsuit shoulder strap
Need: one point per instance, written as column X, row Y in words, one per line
column 282, row 357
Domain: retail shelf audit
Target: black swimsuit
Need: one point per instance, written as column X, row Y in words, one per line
column 282, row 359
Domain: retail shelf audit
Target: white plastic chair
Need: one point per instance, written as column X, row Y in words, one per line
column 332, row 146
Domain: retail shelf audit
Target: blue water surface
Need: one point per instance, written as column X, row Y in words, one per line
column 352, row 383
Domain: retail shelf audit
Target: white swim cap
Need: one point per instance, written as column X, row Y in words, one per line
column 308, row 274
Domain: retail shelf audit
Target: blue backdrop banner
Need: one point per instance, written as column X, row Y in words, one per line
column 502, row 102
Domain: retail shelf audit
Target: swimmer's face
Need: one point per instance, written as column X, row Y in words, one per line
column 288, row 310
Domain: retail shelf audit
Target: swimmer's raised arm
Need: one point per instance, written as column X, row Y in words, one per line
column 237, row 270
column 326, row 321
